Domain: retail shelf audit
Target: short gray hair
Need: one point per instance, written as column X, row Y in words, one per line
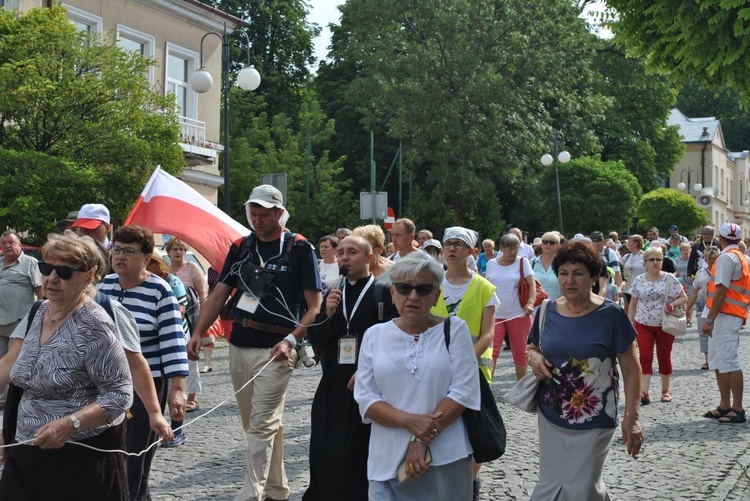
column 509, row 241
column 413, row 264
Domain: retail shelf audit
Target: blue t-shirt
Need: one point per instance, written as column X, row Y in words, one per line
column 584, row 390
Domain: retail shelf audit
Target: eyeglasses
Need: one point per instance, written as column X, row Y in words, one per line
column 654, row 260
column 64, row 272
column 549, row 242
column 128, row 251
column 455, row 244
column 422, row 289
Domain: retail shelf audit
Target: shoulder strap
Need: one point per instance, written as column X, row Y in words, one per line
column 377, row 294
column 447, row 332
column 105, row 302
column 32, row 314
column 542, row 319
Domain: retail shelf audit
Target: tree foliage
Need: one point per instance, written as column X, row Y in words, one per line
column 473, row 89
column 635, row 129
column 665, row 207
column 595, row 195
column 67, row 95
column 706, row 39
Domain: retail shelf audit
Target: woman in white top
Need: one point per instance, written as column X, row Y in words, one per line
column 542, row 265
column 189, row 272
column 327, row 265
column 512, row 317
column 413, row 389
column 651, row 293
column 632, row 265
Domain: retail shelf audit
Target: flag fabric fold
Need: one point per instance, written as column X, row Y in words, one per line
column 168, row 205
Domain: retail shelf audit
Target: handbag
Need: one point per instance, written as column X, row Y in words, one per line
column 674, row 323
column 523, row 393
column 484, row 427
column 523, row 290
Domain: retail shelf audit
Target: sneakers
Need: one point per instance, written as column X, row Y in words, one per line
column 206, row 369
column 179, row 439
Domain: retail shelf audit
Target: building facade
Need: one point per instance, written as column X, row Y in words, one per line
column 723, row 175
column 170, row 32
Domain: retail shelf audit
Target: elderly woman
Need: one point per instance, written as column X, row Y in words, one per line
column 542, row 265
column 512, row 318
column 189, row 272
column 413, row 389
column 76, row 385
column 488, row 255
column 328, row 267
column 575, row 352
column 698, row 297
column 373, row 233
column 652, row 292
column 632, row 265
column 157, row 314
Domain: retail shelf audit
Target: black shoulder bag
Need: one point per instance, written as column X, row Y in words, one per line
column 485, row 427
column 10, row 415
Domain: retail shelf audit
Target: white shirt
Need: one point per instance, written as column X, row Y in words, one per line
column 385, row 375
column 454, row 293
column 329, row 273
column 506, row 278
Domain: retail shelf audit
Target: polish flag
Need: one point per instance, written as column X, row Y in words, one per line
column 168, row 205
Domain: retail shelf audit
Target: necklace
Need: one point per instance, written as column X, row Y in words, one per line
column 574, row 312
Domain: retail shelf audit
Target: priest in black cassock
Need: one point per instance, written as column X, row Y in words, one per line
column 339, row 440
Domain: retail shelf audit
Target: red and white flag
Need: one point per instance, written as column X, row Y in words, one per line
column 168, row 205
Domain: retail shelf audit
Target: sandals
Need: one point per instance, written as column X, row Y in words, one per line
column 666, row 396
column 738, row 417
column 644, row 398
column 689, row 323
column 192, row 406
column 717, row 413
column 704, row 367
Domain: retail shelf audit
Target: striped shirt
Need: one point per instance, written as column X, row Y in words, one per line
column 158, row 317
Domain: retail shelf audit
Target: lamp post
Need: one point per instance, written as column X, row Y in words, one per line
column 559, row 155
column 686, row 187
column 201, row 81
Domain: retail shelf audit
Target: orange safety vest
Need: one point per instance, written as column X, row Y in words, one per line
column 738, row 293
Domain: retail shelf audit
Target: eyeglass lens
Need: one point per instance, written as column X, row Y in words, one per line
column 64, row 272
column 422, row 289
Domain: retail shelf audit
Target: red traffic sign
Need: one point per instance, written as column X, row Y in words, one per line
column 389, row 219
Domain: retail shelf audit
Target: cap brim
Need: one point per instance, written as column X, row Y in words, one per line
column 89, row 224
column 263, row 203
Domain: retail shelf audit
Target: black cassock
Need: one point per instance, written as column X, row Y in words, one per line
column 339, row 440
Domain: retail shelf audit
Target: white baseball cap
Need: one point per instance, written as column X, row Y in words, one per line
column 91, row 216
column 731, row 231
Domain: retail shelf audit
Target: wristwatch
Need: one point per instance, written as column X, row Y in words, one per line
column 76, row 423
column 710, row 321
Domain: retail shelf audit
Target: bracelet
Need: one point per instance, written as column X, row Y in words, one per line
column 710, row 321
column 292, row 340
column 631, row 414
column 415, row 438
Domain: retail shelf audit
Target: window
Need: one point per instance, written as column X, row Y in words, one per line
column 83, row 20
column 180, row 64
column 136, row 41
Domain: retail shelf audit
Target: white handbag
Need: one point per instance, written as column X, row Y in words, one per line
column 674, row 323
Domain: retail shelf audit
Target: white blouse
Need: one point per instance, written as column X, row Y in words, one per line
column 415, row 377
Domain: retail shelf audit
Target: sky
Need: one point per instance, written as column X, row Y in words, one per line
column 323, row 12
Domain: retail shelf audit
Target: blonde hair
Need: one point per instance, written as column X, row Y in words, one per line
column 551, row 235
column 652, row 251
column 372, row 233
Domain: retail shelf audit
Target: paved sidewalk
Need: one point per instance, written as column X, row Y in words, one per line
column 685, row 456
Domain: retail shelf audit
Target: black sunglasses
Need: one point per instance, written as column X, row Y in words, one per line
column 64, row 272
column 549, row 242
column 422, row 289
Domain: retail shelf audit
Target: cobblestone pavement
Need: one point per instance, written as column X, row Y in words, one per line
column 685, row 457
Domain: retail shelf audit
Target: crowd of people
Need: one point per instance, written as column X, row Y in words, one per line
column 402, row 336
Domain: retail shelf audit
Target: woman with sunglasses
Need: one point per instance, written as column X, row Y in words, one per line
column 413, row 389
column 542, row 265
column 157, row 313
column 77, row 386
column 651, row 293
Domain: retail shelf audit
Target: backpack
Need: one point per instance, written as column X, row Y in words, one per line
column 193, row 307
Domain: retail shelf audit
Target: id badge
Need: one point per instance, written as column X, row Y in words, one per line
column 248, row 302
column 347, row 350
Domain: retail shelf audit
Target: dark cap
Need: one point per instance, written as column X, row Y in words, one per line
column 596, row 236
column 63, row 224
column 673, row 227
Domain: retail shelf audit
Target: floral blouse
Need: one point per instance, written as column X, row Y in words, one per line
column 584, row 390
column 651, row 297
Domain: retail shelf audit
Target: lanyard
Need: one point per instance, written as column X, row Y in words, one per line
column 347, row 318
column 281, row 250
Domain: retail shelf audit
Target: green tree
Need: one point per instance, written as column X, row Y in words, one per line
column 472, row 89
column 595, row 195
column 635, row 128
column 706, row 39
column 665, row 207
column 272, row 145
column 68, row 95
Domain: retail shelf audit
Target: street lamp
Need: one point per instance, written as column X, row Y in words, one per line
column 562, row 157
column 248, row 79
column 684, row 187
